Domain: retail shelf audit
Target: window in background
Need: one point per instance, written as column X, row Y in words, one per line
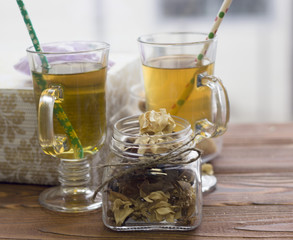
column 203, row 8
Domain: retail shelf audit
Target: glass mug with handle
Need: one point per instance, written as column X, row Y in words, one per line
column 178, row 73
column 69, row 87
column 178, row 76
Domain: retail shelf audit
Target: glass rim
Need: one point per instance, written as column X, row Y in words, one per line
column 134, row 118
column 170, row 43
column 121, row 136
column 98, row 47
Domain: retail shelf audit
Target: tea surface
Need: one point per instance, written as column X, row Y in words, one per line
column 84, row 103
column 165, row 79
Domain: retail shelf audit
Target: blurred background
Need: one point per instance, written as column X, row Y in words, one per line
column 254, row 57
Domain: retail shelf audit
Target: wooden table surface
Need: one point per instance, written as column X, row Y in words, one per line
column 253, row 199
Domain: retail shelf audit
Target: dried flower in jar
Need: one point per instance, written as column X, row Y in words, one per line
column 153, row 122
column 152, row 126
column 140, row 196
column 155, row 191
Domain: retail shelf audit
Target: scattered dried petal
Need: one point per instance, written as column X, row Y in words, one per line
column 207, row 168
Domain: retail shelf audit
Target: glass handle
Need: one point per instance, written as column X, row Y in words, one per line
column 47, row 137
column 220, row 102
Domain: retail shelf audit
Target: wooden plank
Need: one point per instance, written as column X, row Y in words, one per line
column 259, row 134
column 257, row 148
column 255, row 159
column 218, row 222
column 253, row 199
column 274, row 221
column 224, row 216
column 252, row 189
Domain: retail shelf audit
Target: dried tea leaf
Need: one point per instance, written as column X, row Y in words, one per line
column 142, row 193
column 157, row 196
column 161, row 211
column 115, row 195
column 140, row 210
column 185, row 186
column 187, row 175
column 164, row 211
column 191, row 203
column 160, row 204
column 121, row 210
column 170, row 218
column 146, row 187
column 178, row 212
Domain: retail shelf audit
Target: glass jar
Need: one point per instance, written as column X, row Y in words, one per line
column 152, row 186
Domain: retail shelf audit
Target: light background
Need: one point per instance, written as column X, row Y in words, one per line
column 254, row 57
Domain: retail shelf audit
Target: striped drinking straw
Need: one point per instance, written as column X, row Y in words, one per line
column 189, row 87
column 58, row 110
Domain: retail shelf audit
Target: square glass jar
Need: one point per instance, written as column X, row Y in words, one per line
column 147, row 191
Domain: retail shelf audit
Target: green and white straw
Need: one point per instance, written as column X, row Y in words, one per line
column 32, row 32
column 58, row 110
column 221, row 14
column 189, row 87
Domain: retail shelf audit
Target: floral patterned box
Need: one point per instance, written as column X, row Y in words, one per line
column 21, row 158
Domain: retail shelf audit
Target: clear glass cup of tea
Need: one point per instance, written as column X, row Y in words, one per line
column 69, row 87
column 178, row 70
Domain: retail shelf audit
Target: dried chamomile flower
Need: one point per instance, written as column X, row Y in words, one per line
column 153, row 122
column 207, row 169
column 153, row 127
column 151, row 144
